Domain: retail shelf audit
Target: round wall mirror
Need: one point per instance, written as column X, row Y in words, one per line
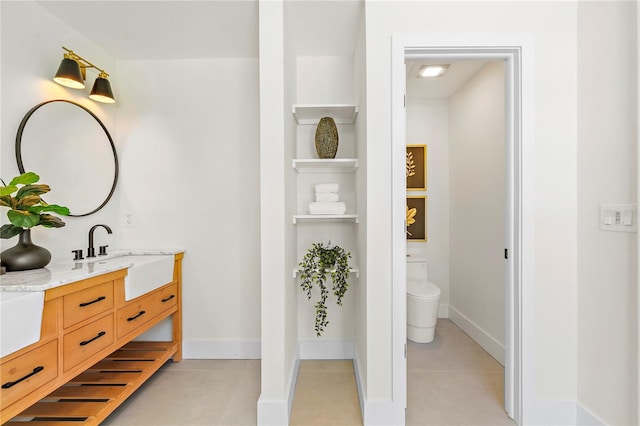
column 72, row 151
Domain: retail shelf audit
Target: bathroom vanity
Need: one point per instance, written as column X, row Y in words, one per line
column 86, row 361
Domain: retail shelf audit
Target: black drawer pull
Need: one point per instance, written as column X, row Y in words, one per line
column 35, row 371
column 82, row 305
column 141, row 313
column 86, row 342
column 168, row 298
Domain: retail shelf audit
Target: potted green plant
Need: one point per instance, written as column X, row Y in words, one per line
column 26, row 210
column 319, row 261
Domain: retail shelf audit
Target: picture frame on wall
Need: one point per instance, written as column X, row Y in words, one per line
column 416, row 167
column 417, row 220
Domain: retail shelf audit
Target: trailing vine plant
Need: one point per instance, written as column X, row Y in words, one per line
column 319, row 261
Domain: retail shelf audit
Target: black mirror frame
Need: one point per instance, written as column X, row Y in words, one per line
column 23, row 123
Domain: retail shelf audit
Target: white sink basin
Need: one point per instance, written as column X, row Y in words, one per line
column 20, row 319
column 147, row 273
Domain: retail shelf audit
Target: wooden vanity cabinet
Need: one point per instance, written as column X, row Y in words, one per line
column 86, row 362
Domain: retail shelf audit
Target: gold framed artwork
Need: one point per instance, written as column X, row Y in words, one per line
column 416, row 167
column 417, row 218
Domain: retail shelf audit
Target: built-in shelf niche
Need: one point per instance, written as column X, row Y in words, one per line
column 332, row 165
column 311, row 114
column 355, row 271
column 301, row 218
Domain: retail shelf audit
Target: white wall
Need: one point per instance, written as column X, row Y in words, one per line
column 190, row 178
column 552, row 25
column 477, row 137
column 324, row 80
column 607, row 174
column 31, row 53
column 360, row 291
column 428, row 124
column 278, row 321
column 179, row 142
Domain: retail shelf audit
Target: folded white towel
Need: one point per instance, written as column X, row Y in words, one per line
column 327, row 208
column 327, row 187
column 324, row 197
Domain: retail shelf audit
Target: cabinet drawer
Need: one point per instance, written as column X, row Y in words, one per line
column 143, row 309
column 86, row 341
column 84, row 304
column 28, row 372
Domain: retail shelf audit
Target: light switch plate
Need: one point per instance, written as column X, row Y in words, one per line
column 619, row 217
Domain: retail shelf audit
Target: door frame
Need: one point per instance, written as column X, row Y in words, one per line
column 517, row 52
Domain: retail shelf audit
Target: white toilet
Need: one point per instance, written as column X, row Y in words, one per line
column 423, row 301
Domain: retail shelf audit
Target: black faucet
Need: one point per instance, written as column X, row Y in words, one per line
column 91, row 252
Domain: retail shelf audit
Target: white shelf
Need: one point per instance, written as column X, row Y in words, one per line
column 355, row 271
column 311, row 114
column 332, row 165
column 325, row 218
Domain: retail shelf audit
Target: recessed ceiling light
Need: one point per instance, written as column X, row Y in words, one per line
column 432, row 70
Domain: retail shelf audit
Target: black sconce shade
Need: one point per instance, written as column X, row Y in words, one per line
column 69, row 74
column 101, row 91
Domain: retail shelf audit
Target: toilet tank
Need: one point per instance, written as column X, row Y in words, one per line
column 417, row 270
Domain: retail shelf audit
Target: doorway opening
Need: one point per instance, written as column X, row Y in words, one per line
column 459, row 116
column 518, row 194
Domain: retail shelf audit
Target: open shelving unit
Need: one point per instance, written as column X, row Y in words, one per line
column 311, row 114
column 334, row 169
column 354, row 271
column 332, row 165
column 325, row 218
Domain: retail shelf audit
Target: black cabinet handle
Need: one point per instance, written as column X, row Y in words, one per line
column 35, row 371
column 168, row 298
column 86, row 342
column 82, row 305
column 141, row 313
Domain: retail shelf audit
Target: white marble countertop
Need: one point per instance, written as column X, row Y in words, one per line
column 64, row 272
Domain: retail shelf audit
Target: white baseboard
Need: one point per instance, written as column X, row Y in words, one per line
column 326, row 349
column 379, row 413
column 584, row 417
column 374, row 413
column 221, row 349
column 358, row 373
column 277, row 412
column 481, row 337
column 293, row 382
column 553, row 412
column 272, row 412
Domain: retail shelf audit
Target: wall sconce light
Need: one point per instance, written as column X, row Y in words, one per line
column 73, row 72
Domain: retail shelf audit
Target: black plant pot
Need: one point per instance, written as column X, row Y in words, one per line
column 25, row 255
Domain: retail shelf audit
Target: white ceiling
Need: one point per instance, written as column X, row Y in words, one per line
column 164, row 29
column 180, row 29
column 132, row 29
column 458, row 73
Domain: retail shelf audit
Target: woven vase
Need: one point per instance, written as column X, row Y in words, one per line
column 326, row 138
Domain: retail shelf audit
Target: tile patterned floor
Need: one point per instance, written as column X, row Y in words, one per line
column 195, row 392
column 326, row 394
column 451, row 381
